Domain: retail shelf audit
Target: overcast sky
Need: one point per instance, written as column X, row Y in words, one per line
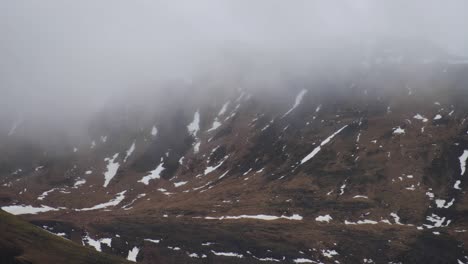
column 74, row 56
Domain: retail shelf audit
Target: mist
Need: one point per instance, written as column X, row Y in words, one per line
column 63, row 61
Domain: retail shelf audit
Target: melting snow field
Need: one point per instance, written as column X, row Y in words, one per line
column 463, row 159
column 317, row 149
column 361, row 222
column 178, row 184
column 303, row 260
column 132, row 254
column 258, row 217
column 129, row 151
column 297, row 101
column 210, row 169
column 227, row 254
column 323, row 218
column 154, row 174
column 44, row 194
column 420, row 117
column 154, row 131
column 96, row 243
column 194, row 127
column 78, row 183
column 398, row 131
column 27, row 209
column 112, row 168
column 119, row 198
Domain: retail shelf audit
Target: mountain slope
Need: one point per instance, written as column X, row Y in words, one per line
column 22, row 242
column 367, row 167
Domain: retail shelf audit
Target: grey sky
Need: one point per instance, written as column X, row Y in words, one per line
column 75, row 56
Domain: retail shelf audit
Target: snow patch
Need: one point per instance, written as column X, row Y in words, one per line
column 178, row 184
column 324, row 218
column 258, row 217
column 27, row 209
column 297, row 101
column 119, row 198
column 132, row 254
column 194, row 127
column 317, row 149
column 463, row 159
column 154, row 174
column 227, row 254
column 154, row 131
column 112, row 168
column 398, row 131
column 420, row 117
column 129, row 151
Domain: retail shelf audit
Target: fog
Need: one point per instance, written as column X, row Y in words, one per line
column 62, row 61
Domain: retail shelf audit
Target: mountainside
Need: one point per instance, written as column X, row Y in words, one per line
column 23, row 243
column 365, row 167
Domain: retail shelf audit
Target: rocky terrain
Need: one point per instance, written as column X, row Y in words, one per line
column 365, row 167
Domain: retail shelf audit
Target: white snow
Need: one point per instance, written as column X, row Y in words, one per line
column 303, row 260
column 398, row 131
column 127, row 206
column 156, row 241
column 361, row 222
column 437, row 117
column 420, row 117
column 178, row 184
column 112, row 168
column 267, row 259
column 342, row 188
column 224, row 108
column 104, row 139
column 88, row 172
column 441, row 203
column 360, row 196
column 196, row 147
column 129, row 151
column 107, row 241
column 119, row 198
column 79, row 182
column 194, row 127
column 457, row 185
column 396, row 218
column 329, row 253
column 227, row 254
column 222, row 175
column 215, row 125
column 323, row 218
column 317, row 149
column 154, row 174
column 132, row 254
column 258, row 217
column 437, row 221
column 27, row 209
column 463, row 159
column 44, row 194
column 96, row 243
column 210, row 169
column 154, row 131
column 297, row 101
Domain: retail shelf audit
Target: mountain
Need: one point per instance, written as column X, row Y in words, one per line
column 24, row 243
column 359, row 166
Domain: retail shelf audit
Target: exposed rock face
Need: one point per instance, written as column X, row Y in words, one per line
column 377, row 157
